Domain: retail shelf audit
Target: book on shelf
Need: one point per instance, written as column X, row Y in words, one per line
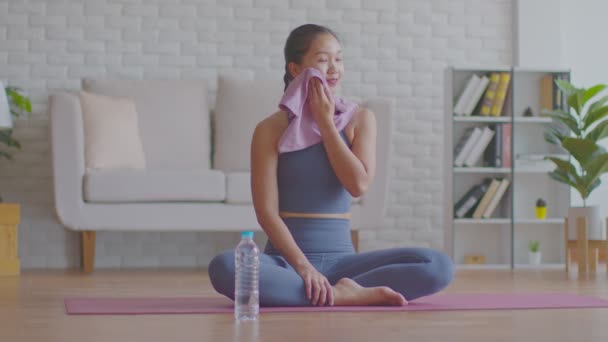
column 482, row 199
column 488, row 98
column 488, row 93
column 561, row 99
column 480, row 146
column 537, row 161
column 498, row 152
column 485, row 200
column 474, row 144
column 465, row 206
column 531, row 157
column 500, row 191
column 493, row 154
column 507, row 149
column 466, row 144
column 501, row 94
column 546, row 92
column 466, row 94
column 551, row 97
column 472, row 93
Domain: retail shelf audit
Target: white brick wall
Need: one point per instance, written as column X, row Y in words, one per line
column 396, row 49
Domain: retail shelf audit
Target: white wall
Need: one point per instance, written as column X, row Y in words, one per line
column 396, row 49
column 537, row 26
column 585, row 50
column 569, row 34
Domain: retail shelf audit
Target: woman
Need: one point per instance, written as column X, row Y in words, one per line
column 302, row 201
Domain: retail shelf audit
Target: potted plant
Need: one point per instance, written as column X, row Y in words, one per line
column 580, row 130
column 12, row 105
column 17, row 104
column 534, row 254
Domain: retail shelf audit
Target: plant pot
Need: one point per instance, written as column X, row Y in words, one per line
column 534, row 258
column 594, row 222
column 541, row 213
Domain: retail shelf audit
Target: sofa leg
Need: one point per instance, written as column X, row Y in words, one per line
column 354, row 236
column 88, row 251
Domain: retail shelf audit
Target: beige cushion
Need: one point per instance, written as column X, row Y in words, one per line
column 240, row 105
column 173, row 119
column 111, row 133
column 119, row 186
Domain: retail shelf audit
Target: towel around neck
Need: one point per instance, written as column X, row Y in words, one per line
column 302, row 131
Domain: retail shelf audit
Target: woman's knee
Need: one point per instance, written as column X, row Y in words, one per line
column 221, row 272
column 442, row 270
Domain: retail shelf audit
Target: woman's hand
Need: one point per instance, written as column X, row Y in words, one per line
column 318, row 288
column 320, row 103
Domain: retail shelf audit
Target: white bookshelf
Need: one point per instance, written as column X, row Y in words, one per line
column 503, row 238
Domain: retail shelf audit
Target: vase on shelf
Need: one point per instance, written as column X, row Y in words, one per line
column 535, row 258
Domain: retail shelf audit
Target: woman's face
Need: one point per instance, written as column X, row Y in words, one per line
column 325, row 55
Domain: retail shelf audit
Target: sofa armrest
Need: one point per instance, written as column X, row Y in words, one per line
column 67, row 147
column 373, row 203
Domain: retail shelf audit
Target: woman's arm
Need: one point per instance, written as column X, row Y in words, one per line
column 264, row 189
column 264, row 161
column 355, row 169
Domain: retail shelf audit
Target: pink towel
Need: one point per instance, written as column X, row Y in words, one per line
column 302, row 131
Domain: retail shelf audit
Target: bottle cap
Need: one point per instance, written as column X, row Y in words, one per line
column 247, row 235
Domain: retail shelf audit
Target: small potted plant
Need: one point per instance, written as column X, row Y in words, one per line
column 541, row 209
column 18, row 104
column 12, row 105
column 534, row 252
column 581, row 128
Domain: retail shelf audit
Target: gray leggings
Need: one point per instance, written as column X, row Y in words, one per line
column 413, row 272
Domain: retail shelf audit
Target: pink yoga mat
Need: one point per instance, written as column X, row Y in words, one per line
column 200, row 305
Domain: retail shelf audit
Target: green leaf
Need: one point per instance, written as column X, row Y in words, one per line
column 599, row 132
column 28, row 106
column 556, row 133
column 566, row 87
column 566, row 168
column 566, row 173
column 592, row 117
column 575, row 100
column 591, row 92
column 18, row 100
column 583, row 150
column 559, row 176
column 554, row 137
column 16, row 144
column 598, row 103
column 593, row 186
column 8, row 140
column 6, row 155
column 595, row 168
column 568, row 119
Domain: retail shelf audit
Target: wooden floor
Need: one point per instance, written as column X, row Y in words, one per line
column 31, row 309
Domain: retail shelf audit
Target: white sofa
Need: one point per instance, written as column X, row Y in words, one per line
column 189, row 183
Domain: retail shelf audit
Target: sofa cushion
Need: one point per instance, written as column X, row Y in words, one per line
column 111, row 133
column 238, row 188
column 173, row 119
column 154, row 186
column 240, row 105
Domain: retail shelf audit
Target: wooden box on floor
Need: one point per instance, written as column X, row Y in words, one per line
column 9, row 221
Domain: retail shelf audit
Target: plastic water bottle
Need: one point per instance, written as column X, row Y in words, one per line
column 246, row 292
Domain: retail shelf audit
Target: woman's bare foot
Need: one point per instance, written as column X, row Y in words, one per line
column 348, row 293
